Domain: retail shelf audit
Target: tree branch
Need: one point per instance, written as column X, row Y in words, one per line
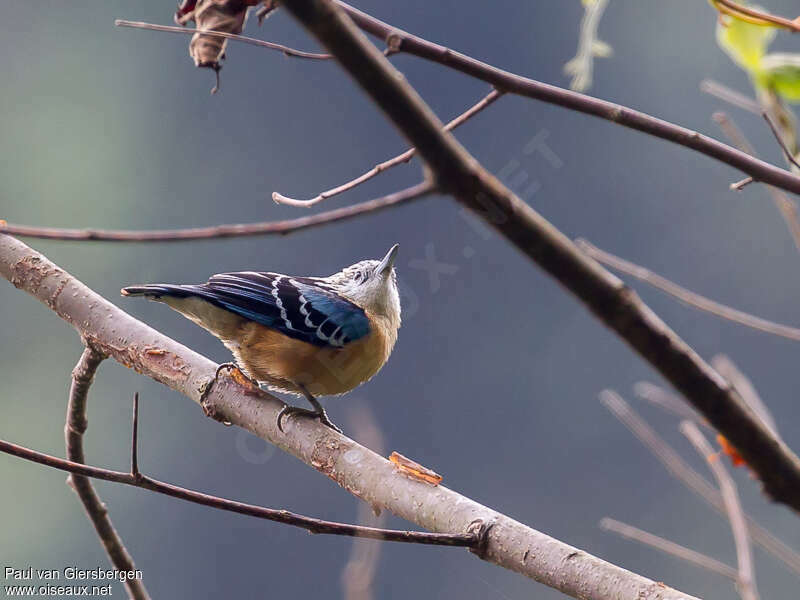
column 312, row 525
column 667, row 401
column 458, row 173
column 406, row 156
column 681, row 471
column 730, row 497
column 687, row 296
column 286, row 50
column 731, row 96
column 75, row 427
column 372, row 478
column 635, row 534
column 785, row 205
column 285, row 227
column 402, row 41
column 751, row 15
column 742, row 384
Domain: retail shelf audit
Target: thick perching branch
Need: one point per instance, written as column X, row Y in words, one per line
column 509, row 543
column 459, row 174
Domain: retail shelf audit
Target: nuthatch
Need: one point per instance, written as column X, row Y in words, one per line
column 308, row 336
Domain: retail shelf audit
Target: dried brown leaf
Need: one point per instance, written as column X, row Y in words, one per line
column 414, row 470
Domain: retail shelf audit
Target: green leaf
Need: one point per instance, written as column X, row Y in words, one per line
column 781, row 73
column 746, row 43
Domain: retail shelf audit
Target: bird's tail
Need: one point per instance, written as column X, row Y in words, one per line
column 157, row 290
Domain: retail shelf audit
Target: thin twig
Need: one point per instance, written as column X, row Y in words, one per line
column 311, row 524
column 511, row 83
column 284, row 227
column 787, row 153
column 785, row 205
column 754, row 16
column 135, row 438
column 738, row 186
column 669, row 547
column 667, row 400
column 75, row 427
column 679, row 469
column 731, row 96
column 286, row 50
column 402, row 41
column 727, row 487
column 386, row 165
column 687, row 296
column 728, row 369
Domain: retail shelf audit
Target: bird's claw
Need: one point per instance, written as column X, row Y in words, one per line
column 322, row 415
column 228, row 366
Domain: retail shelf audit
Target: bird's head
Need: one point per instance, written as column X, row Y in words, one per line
column 372, row 284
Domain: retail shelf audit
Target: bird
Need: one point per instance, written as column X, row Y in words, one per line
column 304, row 336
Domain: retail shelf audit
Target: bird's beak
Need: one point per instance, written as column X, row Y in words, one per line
column 385, row 266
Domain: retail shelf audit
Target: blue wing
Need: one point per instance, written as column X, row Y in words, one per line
column 298, row 307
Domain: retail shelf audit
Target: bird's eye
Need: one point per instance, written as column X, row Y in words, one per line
column 357, row 277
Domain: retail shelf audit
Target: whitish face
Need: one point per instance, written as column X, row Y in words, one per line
column 372, row 284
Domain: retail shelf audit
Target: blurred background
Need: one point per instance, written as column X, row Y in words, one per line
column 495, row 377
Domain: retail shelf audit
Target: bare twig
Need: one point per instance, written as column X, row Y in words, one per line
column 286, row 50
column 679, row 469
column 669, row 547
column 687, row 296
column 135, row 438
column 667, row 400
column 285, row 227
column 752, row 15
column 402, row 41
column 386, row 165
column 785, row 205
column 728, row 369
column 75, row 427
column 779, row 138
column 505, row 542
column 311, row 524
column 738, row 186
column 727, row 487
column 731, row 96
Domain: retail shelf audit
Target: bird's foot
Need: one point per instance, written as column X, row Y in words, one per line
column 227, row 366
column 236, row 374
column 317, row 413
